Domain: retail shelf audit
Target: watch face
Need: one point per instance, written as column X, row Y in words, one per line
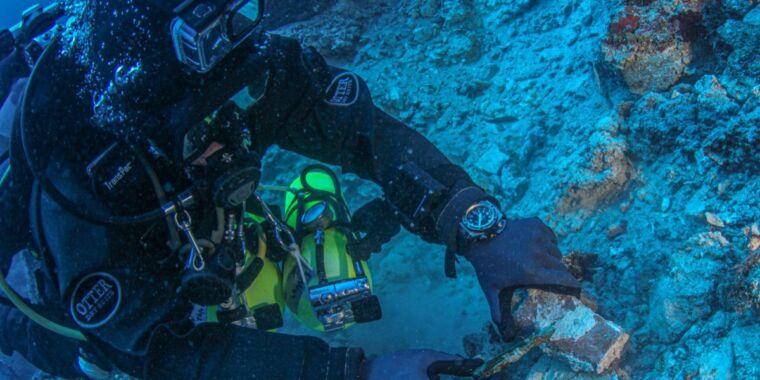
column 480, row 217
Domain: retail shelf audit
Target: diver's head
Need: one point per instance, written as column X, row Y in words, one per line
column 136, row 54
column 196, row 33
column 205, row 31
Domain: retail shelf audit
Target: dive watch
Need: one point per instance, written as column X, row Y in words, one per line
column 482, row 220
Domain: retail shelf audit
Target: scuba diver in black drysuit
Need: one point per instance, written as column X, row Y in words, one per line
column 140, row 131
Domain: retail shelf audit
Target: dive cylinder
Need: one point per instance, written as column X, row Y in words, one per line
column 339, row 292
column 258, row 301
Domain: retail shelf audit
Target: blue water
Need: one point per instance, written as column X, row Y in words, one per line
column 12, row 9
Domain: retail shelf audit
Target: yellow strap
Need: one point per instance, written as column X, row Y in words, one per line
column 37, row 318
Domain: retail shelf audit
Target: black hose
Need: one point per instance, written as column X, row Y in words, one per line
column 39, row 172
column 320, row 253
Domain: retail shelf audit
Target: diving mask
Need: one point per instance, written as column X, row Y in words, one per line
column 204, row 32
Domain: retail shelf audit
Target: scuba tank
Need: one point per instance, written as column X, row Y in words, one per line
column 257, row 299
column 339, row 291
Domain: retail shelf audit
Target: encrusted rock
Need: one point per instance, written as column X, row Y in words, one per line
column 505, row 10
column 683, row 296
column 617, row 229
column 550, row 369
column 579, row 264
column 714, row 220
column 712, row 239
column 744, row 292
column 743, row 67
column 651, row 50
column 607, row 174
column 753, row 235
column 582, row 339
column 491, row 160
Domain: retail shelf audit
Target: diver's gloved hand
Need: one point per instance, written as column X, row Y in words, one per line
column 417, row 365
column 524, row 255
column 376, row 220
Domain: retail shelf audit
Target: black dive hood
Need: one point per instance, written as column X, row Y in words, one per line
column 158, row 106
column 164, row 97
column 73, row 98
column 132, row 69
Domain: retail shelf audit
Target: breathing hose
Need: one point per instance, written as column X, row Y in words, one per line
column 22, row 306
column 4, row 177
column 19, row 303
column 39, row 172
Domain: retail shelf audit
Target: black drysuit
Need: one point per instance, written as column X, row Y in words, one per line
column 297, row 102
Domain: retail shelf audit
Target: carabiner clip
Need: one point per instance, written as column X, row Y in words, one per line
column 196, row 259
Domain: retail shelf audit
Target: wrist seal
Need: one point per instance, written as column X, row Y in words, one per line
column 450, row 214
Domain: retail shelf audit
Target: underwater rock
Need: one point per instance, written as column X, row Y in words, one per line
column 743, row 67
column 607, row 171
column 579, row 264
column 743, row 293
column 337, row 32
column 617, row 229
column 702, row 122
column 714, row 220
column 504, row 10
column 424, row 8
column 753, row 235
column 665, row 205
column 551, row 369
column 582, row 339
column 712, row 239
column 738, row 8
column 753, row 17
column 683, row 296
column 657, row 121
column 744, row 350
column 647, row 44
column 492, row 160
column 513, row 188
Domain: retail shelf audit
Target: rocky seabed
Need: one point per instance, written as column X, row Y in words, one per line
column 632, row 127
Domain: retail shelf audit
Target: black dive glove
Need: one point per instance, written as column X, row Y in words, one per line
column 377, row 224
column 417, row 365
column 524, row 255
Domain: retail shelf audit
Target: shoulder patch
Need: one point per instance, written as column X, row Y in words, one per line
column 95, row 300
column 343, row 90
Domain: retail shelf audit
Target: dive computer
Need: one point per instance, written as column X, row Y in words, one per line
column 482, row 220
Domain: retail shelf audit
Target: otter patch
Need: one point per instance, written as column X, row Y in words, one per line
column 95, row 300
column 343, row 90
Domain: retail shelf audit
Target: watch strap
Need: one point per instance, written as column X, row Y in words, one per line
column 450, row 215
column 450, row 263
